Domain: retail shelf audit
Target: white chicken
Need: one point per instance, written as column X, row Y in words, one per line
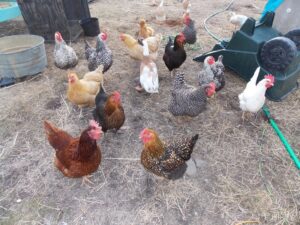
column 253, row 97
column 186, row 4
column 64, row 55
column 148, row 72
column 154, row 2
column 237, row 20
column 160, row 13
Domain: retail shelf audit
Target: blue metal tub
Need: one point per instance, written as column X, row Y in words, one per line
column 20, row 56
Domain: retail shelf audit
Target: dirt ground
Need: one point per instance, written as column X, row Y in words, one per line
column 243, row 171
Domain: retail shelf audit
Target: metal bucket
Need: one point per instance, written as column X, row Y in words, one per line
column 21, row 55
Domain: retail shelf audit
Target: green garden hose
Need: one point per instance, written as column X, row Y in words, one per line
column 282, row 138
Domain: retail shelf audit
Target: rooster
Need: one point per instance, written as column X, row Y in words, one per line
column 253, row 97
column 82, row 92
column 175, row 54
column 135, row 48
column 75, row 157
column 166, row 159
column 109, row 111
column 189, row 30
column 213, row 72
column 101, row 55
column 64, row 55
column 237, row 20
column 186, row 100
column 148, row 73
column 145, row 30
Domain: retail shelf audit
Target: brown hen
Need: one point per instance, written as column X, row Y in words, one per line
column 75, row 157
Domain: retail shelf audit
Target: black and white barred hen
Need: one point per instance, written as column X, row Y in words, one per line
column 64, row 55
column 213, row 71
column 101, row 55
column 189, row 30
column 166, row 159
column 218, row 70
column 187, row 100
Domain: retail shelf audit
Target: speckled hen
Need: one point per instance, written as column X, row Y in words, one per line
column 101, row 55
column 64, row 55
column 187, row 100
column 166, row 159
column 218, row 70
column 213, row 72
column 189, row 30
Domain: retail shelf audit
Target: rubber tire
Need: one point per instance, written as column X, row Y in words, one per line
column 277, row 53
column 294, row 35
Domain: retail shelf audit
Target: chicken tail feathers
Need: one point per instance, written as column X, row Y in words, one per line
column 253, row 80
column 57, row 138
column 194, row 140
column 49, row 128
column 179, row 80
column 101, row 96
column 100, row 68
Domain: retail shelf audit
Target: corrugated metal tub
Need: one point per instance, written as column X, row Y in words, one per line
column 20, row 56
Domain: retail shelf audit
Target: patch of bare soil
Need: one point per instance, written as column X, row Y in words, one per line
column 243, row 171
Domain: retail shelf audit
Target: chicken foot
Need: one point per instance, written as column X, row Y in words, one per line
column 86, row 180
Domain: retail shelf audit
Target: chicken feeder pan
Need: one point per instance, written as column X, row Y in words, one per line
column 21, row 56
column 258, row 44
column 90, row 26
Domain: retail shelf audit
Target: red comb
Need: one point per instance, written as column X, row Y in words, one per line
column 94, row 123
column 145, row 131
column 213, row 85
column 270, row 77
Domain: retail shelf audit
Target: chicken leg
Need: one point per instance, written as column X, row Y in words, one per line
column 86, row 180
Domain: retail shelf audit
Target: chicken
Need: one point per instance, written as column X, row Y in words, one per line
column 160, row 13
column 109, row 111
column 64, row 55
column 175, row 54
column 148, row 73
column 145, row 30
column 101, row 55
column 213, row 72
column 135, row 49
column 82, row 92
column 189, row 30
column 187, row 100
column 154, row 2
column 185, row 4
column 186, row 13
column 154, row 42
column 253, row 97
column 166, row 159
column 237, row 20
column 218, row 70
column 75, row 157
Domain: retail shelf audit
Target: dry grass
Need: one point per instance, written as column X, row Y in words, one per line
column 244, row 175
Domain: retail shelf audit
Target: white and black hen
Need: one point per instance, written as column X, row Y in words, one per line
column 101, row 55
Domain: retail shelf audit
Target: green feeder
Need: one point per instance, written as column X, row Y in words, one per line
column 259, row 44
